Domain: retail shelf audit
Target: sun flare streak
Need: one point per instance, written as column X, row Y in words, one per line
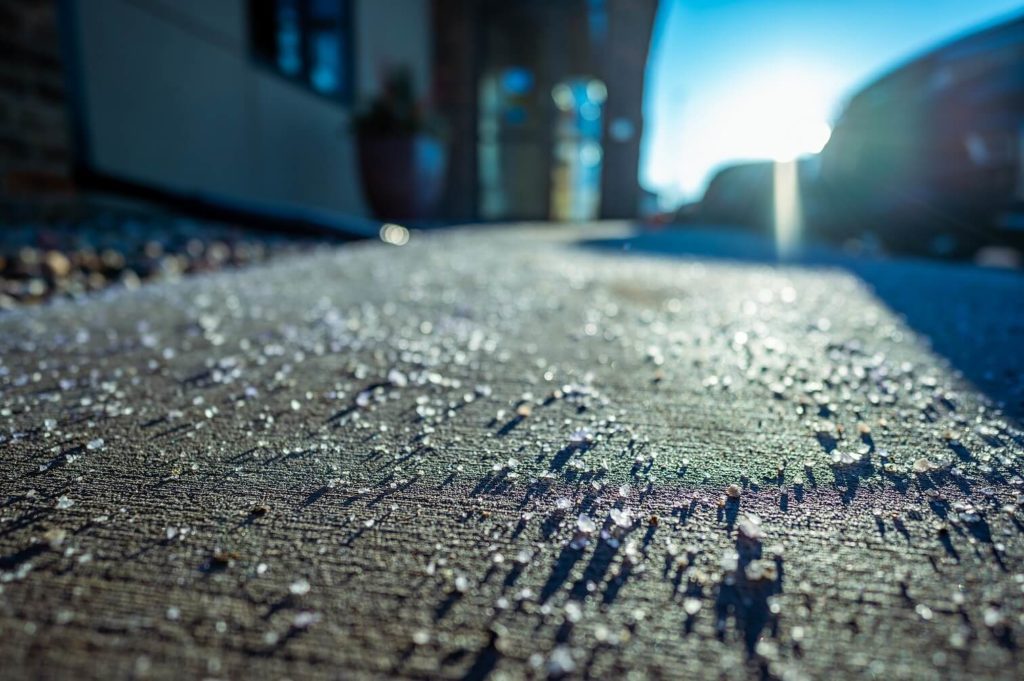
column 788, row 214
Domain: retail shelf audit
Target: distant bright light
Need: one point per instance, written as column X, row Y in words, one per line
column 780, row 117
column 393, row 234
column 791, row 138
column 596, row 91
column 777, row 114
column 562, row 94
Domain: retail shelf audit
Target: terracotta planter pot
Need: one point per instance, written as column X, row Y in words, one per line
column 403, row 175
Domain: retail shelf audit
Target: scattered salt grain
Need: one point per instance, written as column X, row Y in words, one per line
column 299, row 587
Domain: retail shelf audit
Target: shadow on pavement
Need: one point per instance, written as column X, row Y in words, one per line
column 972, row 316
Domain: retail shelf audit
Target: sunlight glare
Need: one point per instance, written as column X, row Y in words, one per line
column 788, row 218
column 777, row 114
column 779, row 118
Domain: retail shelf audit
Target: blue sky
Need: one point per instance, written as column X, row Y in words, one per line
column 745, row 79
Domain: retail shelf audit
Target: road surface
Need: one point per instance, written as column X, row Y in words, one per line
column 525, row 452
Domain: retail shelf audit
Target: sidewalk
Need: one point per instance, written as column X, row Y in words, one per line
column 502, row 451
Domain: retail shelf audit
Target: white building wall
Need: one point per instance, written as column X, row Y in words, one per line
column 172, row 98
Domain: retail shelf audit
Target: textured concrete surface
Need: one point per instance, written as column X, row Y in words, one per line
column 510, row 453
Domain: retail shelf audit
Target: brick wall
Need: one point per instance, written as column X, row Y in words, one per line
column 35, row 144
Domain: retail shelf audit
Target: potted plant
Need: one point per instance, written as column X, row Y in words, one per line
column 402, row 152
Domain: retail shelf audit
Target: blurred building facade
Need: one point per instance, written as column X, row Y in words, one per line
column 245, row 100
column 251, row 100
column 546, row 97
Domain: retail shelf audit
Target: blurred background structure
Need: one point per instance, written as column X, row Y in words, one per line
column 35, row 145
column 553, row 92
column 328, row 116
column 926, row 158
column 246, row 101
column 251, row 101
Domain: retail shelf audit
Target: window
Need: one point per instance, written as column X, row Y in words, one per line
column 307, row 41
